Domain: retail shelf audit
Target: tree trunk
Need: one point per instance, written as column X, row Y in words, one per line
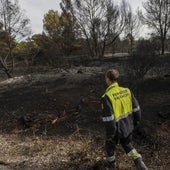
column 7, row 73
column 5, row 69
column 163, row 46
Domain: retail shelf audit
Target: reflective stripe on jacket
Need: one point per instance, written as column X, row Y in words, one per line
column 119, row 106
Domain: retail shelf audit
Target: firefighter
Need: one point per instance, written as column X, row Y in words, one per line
column 120, row 114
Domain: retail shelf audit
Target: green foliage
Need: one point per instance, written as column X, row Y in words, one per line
column 51, row 24
column 47, row 50
column 61, row 29
column 25, row 52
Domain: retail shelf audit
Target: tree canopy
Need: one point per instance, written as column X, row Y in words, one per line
column 157, row 17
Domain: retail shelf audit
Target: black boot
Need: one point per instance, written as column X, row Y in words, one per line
column 140, row 164
column 109, row 164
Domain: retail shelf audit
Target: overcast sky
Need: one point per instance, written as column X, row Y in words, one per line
column 35, row 10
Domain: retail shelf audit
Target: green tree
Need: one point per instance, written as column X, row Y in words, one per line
column 50, row 42
column 61, row 29
column 51, row 24
column 70, row 28
column 25, row 52
column 46, row 48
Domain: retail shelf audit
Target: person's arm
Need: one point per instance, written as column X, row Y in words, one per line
column 108, row 117
column 136, row 110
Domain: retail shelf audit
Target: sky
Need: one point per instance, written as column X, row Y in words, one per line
column 35, row 10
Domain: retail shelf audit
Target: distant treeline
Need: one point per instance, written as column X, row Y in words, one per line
column 84, row 29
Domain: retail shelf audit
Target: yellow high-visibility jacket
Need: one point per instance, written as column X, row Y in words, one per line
column 120, row 111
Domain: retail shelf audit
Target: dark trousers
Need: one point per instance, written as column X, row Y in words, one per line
column 113, row 141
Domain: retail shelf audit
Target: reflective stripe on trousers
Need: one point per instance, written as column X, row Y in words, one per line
column 133, row 154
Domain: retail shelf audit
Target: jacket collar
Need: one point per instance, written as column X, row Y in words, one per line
column 113, row 85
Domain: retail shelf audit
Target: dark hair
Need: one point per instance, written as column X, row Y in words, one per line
column 112, row 74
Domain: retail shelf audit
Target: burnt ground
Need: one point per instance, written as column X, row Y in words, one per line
column 51, row 121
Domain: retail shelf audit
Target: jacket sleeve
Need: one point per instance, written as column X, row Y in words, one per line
column 136, row 110
column 108, row 117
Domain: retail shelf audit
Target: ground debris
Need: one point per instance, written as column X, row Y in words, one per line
column 65, row 111
column 164, row 111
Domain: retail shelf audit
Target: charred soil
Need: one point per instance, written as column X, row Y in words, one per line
column 51, row 121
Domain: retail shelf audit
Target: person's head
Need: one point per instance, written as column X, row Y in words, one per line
column 111, row 76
